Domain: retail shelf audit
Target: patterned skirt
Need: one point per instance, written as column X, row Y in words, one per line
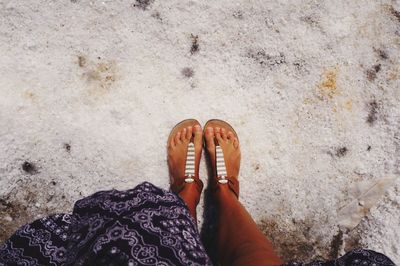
column 142, row 226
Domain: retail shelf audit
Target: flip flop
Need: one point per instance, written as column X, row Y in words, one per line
column 190, row 176
column 222, row 177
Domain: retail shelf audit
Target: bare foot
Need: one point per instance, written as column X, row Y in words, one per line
column 230, row 147
column 177, row 150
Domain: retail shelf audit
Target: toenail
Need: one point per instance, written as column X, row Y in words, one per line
column 210, row 129
column 217, row 129
column 223, row 129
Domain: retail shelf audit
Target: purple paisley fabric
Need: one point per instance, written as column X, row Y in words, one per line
column 142, row 226
column 357, row 257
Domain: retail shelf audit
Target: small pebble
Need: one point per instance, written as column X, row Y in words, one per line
column 7, row 218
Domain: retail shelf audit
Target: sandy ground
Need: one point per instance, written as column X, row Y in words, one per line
column 89, row 91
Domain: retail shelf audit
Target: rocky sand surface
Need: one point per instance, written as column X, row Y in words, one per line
column 89, row 91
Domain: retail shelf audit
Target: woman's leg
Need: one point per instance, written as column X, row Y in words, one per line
column 189, row 196
column 240, row 242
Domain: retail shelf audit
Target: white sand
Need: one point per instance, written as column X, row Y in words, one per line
column 90, row 90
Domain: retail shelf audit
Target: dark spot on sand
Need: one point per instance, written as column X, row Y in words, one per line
column 340, row 152
column 143, row 4
column 110, row 78
column 301, row 66
column 195, row 44
column 298, row 64
column 81, row 61
column 395, row 13
column 238, row 14
column 310, row 20
column 13, row 213
column 187, row 72
column 371, row 73
column 30, row 168
column 26, row 201
column 353, row 240
column 101, row 75
column 257, row 167
column 368, row 148
column 5, row 203
column 267, row 60
column 156, row 15
column 63, row 196
column 269, row 22
column 67, row 147
column 74, row 1
column 373, row 112
column 381, row 53
column 291, row 242
column 336, row 244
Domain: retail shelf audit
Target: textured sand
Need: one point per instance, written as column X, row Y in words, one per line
column 90, row 89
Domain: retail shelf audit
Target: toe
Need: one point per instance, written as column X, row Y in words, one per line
column 210, row 138
column 223, row 134
column 177, row 138
column 183, row 134
column 230, row 136
column 236, row 143
column 189, row 133
column 171, row 143
column 197, row 135
column 217, row 131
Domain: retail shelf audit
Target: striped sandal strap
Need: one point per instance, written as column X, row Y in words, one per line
column 222, row 175
column 190, row 175
column 189, row 166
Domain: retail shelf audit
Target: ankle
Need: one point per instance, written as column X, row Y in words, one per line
column 229, row 187
column 190, row 195
column 223, row 194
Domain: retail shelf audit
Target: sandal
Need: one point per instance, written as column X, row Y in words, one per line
column 222, row 177
column 190, row 176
